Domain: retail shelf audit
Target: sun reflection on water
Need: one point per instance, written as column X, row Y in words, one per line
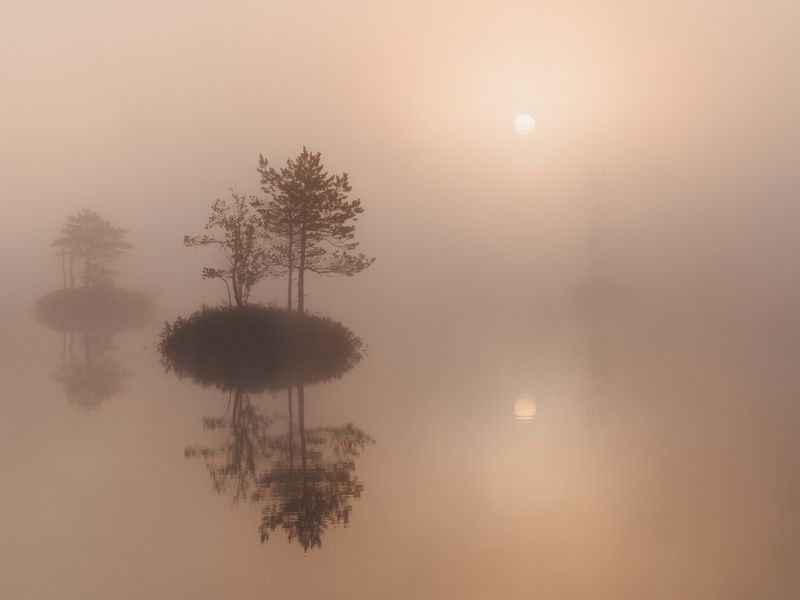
column 524, row 409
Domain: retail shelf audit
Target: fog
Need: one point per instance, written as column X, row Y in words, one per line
column 662, row 461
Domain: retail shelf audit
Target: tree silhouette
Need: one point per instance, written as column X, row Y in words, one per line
column 93, row 243
column 253, row 462
column 310, row 218
column 280, row 219
column 237, row 233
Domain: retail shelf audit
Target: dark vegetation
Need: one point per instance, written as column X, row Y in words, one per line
column 235, row 230
column 94, row 309
column 309, row 220
column 256, row 348
column 304, row 224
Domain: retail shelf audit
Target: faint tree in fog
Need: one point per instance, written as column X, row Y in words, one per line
column 237, row 232
column 93, row 243
column 311, row 220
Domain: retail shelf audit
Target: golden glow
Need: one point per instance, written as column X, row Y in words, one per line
column 524, row 408
column 524, row 124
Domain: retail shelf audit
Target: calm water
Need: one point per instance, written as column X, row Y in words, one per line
column 661, row 470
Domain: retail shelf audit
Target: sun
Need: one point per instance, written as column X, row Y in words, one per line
column 524, row 124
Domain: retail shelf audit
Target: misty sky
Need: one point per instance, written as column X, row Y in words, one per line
column 149, row 111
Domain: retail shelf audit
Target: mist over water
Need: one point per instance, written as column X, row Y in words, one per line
column 580, row 346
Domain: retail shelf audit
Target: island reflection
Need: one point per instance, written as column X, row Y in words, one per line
column 89, row 374
column 88, row 320
column 89, row 309
column 303, row 477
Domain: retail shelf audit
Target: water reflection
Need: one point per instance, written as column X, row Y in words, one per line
column 89, row 374
column 305, row 502
column 524, row 409
column 304, row 478
column 604, row 315
column 88, row 319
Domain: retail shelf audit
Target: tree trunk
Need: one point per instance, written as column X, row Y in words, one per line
column 237, row 288
column 289, row 298
column 301, row 272
column 64, row 269
column 301, row 288
column 290, row 255
column 72, row 271
column 227, row 287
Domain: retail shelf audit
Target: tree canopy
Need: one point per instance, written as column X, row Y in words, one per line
column 305, row 223
column 93, row 243
column 311, row 218
column 236, row 230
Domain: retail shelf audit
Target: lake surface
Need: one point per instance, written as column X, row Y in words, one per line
column 544, row 457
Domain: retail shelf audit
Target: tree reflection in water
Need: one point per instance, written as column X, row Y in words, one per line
column 235, row 463
column 304, row 502
column 304, row 477
column 88, row 374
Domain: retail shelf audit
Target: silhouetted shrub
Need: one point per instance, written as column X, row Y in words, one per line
column 257, row 347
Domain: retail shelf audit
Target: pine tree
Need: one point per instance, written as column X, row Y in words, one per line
column 311, row 218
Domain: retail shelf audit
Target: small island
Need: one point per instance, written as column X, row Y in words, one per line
column 304, row 224
column 255, row 348
column 304, row 477
column 89, row 309
column 89, row 301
